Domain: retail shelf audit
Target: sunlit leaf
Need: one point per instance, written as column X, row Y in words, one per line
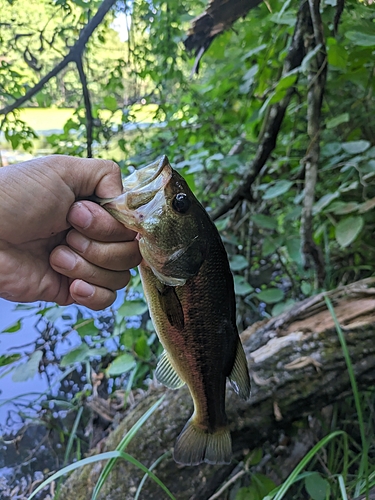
column 7, row 359
column 366, row 206
column 355, row 147
column 337, row 120
column 360, row 38
column 29, row 369
column 348, row 229
column 277, row 189
column 13, row 328
column 324, row 201
column 86, row 327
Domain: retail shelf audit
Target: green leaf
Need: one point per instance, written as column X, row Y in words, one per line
column 281, row 307
column 7, row 359
column 132, row 308
column 293, row 245
column 122, row 364
column 76, row 355
column 355, row 147
column 29, row 369
column 316, row 486
column 277, row 189
column 345, row 208
column 142, row 348
column 238, row 263
column 86, row 327
column 241, row 286
column 270, row 295
column 359, row 38
column 338, row 120
column 264, row 221
column 348, row 229
column 270, row 245
column 324, row 201
column 366, row 206
column 110, row 103
column 13, row 328
column 337, row 54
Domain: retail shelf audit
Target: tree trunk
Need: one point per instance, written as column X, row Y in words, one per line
column 297, row 367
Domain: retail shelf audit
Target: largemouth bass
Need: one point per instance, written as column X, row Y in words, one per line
column 189, row 289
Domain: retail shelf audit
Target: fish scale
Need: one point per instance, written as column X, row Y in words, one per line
column 189, row 289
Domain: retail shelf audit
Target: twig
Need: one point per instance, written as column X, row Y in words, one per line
column 72, row 56
column 274, row 118
column 87, row 101
column 317, row 78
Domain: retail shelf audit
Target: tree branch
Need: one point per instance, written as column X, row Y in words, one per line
column 72, row 56
column 274, row 118
column 316, row 78
column 87, row 101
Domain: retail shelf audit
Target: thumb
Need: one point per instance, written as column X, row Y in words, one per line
column 87, row 176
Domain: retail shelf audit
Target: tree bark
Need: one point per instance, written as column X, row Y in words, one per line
column 297, row 368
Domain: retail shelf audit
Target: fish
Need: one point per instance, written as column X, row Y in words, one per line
column 189, row 288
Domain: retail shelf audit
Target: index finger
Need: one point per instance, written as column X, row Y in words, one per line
column 96, row 223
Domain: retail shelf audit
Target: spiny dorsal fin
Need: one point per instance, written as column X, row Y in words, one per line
column 239, row 376
column 166, row 374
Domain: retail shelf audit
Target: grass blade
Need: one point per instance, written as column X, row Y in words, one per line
column 151, row 468
column 122, row 445
column 109, row 455
column 280, row 491
column 363, row 467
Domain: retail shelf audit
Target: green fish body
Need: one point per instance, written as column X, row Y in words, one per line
column 189, row 289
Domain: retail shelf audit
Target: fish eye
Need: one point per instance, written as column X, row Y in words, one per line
column 181, row 203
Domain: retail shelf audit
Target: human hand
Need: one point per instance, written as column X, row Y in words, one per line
column 55, row 248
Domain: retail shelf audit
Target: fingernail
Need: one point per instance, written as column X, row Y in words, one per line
column 83, row 289
column 80, row 215
column 65, row 259
column 78, row 241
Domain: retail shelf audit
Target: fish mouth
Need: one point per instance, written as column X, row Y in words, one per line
column 143, row 193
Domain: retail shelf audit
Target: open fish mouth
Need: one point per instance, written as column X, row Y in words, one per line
column 142, row 191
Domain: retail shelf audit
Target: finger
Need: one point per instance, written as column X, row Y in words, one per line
column 86, row 176
column 69, row 263
column 114, row 256
column 96, row 223
column 91, row 296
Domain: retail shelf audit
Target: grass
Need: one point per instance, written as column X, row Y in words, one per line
column 347, row 462
column 112, row 457
column 44, row 119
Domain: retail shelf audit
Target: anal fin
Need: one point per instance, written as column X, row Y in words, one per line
column 166, row 374
column 239, row 376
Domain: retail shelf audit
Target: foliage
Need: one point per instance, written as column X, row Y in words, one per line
column 210, row 125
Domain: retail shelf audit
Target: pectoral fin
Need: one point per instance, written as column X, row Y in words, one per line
column 239, row 376
column 166, row 374
column 171, row 305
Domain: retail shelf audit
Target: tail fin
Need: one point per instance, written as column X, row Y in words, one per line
column 195, row 445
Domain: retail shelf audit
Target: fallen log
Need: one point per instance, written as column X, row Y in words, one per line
column 297, row 368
